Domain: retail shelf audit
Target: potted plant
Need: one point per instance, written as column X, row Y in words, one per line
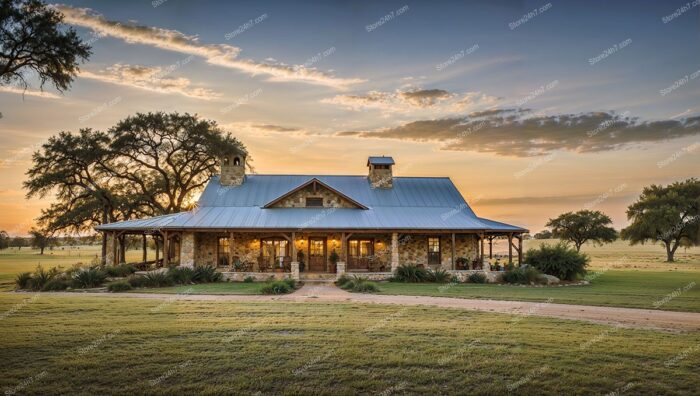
column 334, row 257
column 300, row 260
column 462, row 263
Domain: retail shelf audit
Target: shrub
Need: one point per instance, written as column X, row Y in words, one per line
column 411, row 273
column 360, row 285
column 439, row 275
column 248, row 279
column 206, row 274
column 90, row 277
column 157, row 279
column 342, row 280
column 477, row 277
column 181, row 275
column 522, row 275
column 23, row 280
column 276, row 287
column 290, row 282
column 120, row 271
column 41, row 277
column 119, row 286
column 454, row 279
column 136, row 281
column 56, row 284
column 558, row 260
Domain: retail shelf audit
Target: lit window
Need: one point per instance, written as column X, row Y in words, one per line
column 237, row 161
column 222, row 252
column 433, row 250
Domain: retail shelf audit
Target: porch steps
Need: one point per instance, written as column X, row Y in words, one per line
column 317, row 277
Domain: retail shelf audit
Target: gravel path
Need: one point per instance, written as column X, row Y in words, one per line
column 328, row 293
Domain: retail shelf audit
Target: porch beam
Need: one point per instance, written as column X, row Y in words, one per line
column 144, row 250
column 481, row 253
column 510, row 248
column 294, row 246
column 166, row 249
column 491, row 247
column 520, row 249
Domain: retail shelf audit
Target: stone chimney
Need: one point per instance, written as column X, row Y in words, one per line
column 232, row 169
column 380, row 175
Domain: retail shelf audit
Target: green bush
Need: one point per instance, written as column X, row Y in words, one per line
column 360, row 285
column 56, row 284
column 23, row 280
column 290, row 282
column 248, row 279
column 90, row 277
column 119, row 271
column 136, row 281
column 558, row 260
column 439, row 276
column 411, row 274
column 41, row 277
column 181, row 275
column 522, row 275
column 157, row 279
column 477, row 277
column 276, row 287
column 119, row 286
column 206, row 274
column 343, row 279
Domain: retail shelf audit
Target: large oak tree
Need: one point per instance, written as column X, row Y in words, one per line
column 34, row 39
column 669, row 214
column 583, row 226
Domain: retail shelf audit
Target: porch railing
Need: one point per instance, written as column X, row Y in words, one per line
column 366, row 264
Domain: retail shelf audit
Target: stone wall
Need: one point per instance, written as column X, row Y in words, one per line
column 413, row 249
column 330, row 199
column 187, row 249
column 380, row 178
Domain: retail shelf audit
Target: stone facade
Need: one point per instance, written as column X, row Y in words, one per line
column 110, row 259
column 187, row 249
column 413, row 249
column 330, row 199
column 381, row 177
column 232, row 170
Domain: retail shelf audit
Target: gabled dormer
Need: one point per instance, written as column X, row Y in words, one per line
column 314, row 194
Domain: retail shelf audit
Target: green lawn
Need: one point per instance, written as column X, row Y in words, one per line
column 208, row 288
column 634, row 289
column 82, row 345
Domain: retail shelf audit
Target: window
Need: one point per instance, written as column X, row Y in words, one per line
column 237, row 161
column 226, row 161
column 274, row 248
column 222, row 251
column 312, row 202
column 434, row 250
column 360, row 247
column 381, row 166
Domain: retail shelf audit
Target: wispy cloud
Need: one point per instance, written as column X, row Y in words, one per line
column 149, row 78
column 223, row 55
column 29, row 92
column 276, row 128
column 434, row 102
column 517, row 132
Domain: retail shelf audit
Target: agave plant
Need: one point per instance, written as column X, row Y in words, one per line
column 22, row 280
column 41, row 277
column 90, row 277
column 206, row 274
column 181, row 275
column 411, row 273
column 157, row 279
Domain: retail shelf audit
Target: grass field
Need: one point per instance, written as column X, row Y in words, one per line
column 81, row 345
column 208, row 288
column 631, row 289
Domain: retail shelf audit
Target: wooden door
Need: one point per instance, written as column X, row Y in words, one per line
column 317, row 255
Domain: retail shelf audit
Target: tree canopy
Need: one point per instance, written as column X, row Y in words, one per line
column 583, row 226
column 33, row 39
column 147, row 165
column 41, row 239
column 4, row 240
column 669, row 214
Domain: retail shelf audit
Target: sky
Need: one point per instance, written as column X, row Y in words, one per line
column 531, row 108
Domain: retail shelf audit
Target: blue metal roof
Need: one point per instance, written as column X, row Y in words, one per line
column 380, row 160
column 415, row 203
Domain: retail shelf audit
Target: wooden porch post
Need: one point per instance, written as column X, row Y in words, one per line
column 482, row 236
column 520, row 249
column 343, row 250
column 114, row 249
column 453, row 251
column 166, row 249
column 122, row 250
column 294, row 246
column 491, row 247
column 157, row 242
column 143, row 247
column 510, row 248
column 230, row 249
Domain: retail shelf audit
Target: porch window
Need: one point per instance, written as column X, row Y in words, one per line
column 314, row 202
column 361, row 253
column 222, row 251
column 434, row 251
column 273, row 252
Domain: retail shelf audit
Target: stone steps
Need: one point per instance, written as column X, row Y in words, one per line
column 309, row 277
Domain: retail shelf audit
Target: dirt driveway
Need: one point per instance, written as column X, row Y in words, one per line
column 329, row 293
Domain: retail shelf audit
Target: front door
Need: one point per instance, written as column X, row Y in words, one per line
column 317, row 255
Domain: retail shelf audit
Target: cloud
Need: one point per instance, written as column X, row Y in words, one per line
column 276, row 128
column 29, row 92
column 416, row 102
column 516, row 132
column 150, row 79
column 223, row 55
